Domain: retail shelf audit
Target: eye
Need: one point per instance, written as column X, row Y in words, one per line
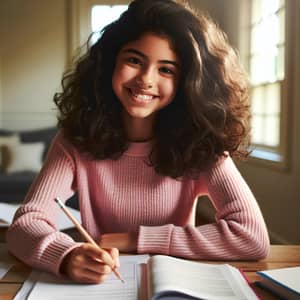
column 134, row 60
column 167, row 71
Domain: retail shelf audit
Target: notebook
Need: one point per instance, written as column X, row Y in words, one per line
column 284, row 282
column 157, row 277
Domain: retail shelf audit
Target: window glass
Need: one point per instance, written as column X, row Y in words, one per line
column 102, row 15
column 267, row 70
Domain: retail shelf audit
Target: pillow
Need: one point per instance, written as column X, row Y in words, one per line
column 26, row 157
column 6, row 158
column 7, row 142
column 44, row 135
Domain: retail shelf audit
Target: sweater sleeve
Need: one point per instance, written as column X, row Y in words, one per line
column 239, row 231
column 33, row 236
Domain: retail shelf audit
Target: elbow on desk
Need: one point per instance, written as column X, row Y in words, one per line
column 256, row 246
column 261, row 250
column 18, row 245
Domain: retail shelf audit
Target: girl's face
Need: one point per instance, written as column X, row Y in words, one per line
column 146, row 76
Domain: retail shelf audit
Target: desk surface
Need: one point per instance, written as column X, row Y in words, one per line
column 280, row 257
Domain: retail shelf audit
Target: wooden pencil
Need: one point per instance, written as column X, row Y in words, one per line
column 82, row 231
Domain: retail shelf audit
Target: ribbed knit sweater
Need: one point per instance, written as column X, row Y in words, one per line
column 127, row 195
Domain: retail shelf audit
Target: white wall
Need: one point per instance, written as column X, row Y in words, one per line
column 33, row 55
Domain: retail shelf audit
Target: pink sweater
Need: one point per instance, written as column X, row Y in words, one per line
column 127, row 195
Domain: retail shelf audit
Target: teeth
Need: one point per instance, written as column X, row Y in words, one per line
column 142, row 97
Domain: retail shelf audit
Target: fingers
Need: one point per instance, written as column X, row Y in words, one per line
column 94, row 265
column 87, row 276
column 99, row 254
column 114, row 253
column 87, row 263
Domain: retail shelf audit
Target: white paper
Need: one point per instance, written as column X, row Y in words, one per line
column 49, row 287
column 204, row 281
column 7, row 212
column 40, row 282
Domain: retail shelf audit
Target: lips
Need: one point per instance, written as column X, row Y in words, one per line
column 141, row 97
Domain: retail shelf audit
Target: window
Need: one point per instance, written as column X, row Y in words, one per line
column 102, row 15
column 267, row 74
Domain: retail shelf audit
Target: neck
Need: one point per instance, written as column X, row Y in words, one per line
column 139, row 130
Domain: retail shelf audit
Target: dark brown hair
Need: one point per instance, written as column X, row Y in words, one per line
column 208, row 116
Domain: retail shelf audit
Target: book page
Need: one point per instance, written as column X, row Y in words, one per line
column 206, row 281
column 49, row 287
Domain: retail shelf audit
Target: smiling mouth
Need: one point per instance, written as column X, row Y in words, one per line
column 141, row 97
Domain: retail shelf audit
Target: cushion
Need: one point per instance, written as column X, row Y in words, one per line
column 44, row 135
column 6, row 142
column 6, row 157
column 26, row 157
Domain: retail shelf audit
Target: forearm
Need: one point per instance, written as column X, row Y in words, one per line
column 34, row 237
column 38, row 243
column 222, row 240
column 239, row 231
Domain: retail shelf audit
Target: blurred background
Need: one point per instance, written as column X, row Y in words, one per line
column 39, row 39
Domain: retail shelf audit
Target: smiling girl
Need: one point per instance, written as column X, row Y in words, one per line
column 145, row 80
column 149, row 120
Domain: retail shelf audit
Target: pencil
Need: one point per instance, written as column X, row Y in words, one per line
column 83, row 231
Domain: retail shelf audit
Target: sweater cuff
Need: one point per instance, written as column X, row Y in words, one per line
column 55, row 254
column 155, row 239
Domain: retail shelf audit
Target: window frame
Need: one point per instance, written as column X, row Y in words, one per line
column 79, row 14
column 262, row 156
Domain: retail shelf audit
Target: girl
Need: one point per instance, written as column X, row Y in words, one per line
column 149, row 119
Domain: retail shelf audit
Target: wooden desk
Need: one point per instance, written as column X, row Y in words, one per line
column 280, row 257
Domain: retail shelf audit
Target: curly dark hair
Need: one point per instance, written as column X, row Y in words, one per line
column 209, row 115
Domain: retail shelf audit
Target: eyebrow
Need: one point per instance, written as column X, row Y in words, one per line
column 141, row 54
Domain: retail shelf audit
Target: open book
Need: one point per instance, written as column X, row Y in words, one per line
column 156, row 277
column 173, row 278
column 284, row 282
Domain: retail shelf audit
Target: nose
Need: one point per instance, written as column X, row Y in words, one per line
column 145, row 79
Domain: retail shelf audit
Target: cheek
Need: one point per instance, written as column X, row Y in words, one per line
column 114, row 82
column 118, row 79
column 169, row 88
column 123, row 73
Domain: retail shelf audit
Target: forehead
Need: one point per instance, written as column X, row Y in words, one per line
column 153, row 46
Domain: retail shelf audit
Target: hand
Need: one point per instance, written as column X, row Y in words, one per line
column 85, row 264
column 124, row 242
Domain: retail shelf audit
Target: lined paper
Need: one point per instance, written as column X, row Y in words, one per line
column 49, row 287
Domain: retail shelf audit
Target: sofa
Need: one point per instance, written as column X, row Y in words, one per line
column 21, row 156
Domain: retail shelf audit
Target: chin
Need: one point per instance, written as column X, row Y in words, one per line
column 140, row 115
